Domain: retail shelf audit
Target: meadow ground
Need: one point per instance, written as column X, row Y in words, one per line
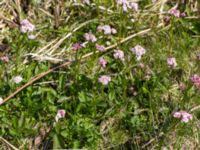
column 100, row 74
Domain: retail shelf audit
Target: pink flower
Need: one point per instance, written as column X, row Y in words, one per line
column 86, row 2
column 101, row 48
column 102, row 62
column 90, row 37
column 120, row 2
column 17, row 79
column 4, row 59
column 118, row 54
column 182, row 86
column 60, row 114
column 196, row 80
column 198, row 56
column 183, row 14
column 134, row 6
column 104, row 79
column 177, row 115
column 77, row 46
column 138, row 51
column 100, row 28
column 184, row 116
column 175, row 12
column 141, row 65
column 167, row 20
column 128, row 5
column 171, row 62
column 107, row 29
column 26, row 26
column 114, row 31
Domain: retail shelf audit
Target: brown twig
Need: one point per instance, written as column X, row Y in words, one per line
column 8, row 144
column 37, row 77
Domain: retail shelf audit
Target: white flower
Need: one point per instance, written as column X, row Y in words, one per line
column 31, row 37
column 17, row 79
column 1, row 100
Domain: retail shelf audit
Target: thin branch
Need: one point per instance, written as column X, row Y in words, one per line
column 8, row 144
column 39, row 76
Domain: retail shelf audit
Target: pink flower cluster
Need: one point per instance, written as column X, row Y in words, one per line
column 139, row 51
column 171, row 61
column 104, row 79
column 90, row 37
column 176, row 13
column 106, row 29
column 184, row 116
column 60, row 114
column 101, row 48
column 26, row 26
column 102, row 62
column 4, row 59
column 128, row 5
column 77, row 46
column 196, row 80
column 118, row 54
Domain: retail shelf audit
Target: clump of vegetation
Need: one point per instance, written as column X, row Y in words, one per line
column 98, row 74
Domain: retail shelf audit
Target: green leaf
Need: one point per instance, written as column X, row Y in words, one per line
column 56, row 142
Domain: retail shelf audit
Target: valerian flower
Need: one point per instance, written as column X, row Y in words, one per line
column 86, row 2
column 128, row 5
column 182, row 86
column 90, row 37
column 139, row 51
column 4, row 59
column 184, row 116
column 171, row 61
column 60, row 114
column 106, row 29
column 175, row 12
column 119, row 54
column 77, row 46
column 196, row 80
column 17, row 79
column 26, row 26
column 102, row 62
column 104, row 79
column 101, row 48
